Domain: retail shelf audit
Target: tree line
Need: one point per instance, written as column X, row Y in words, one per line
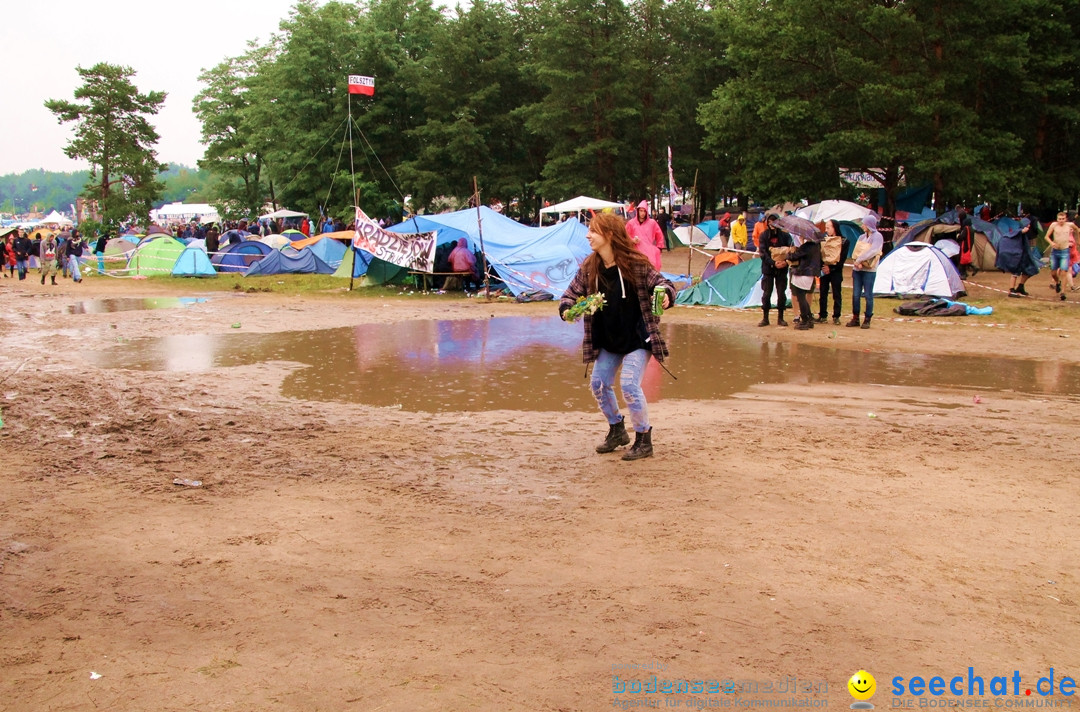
column 762, row 100
column 38, row 190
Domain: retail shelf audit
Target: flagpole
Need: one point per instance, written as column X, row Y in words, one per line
column 352, row 172
column 480, row 231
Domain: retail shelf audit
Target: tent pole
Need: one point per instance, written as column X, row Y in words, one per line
column 480, row 231
column 355, row 252
column 690, row 257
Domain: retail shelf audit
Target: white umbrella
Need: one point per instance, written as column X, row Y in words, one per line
column 283, row 213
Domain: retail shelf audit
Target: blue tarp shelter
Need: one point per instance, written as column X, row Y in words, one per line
column 526, row 258
column 277, row 262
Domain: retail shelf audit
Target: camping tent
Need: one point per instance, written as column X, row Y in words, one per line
column 690, row 234
column 278, row 262
column 737, row 287
column 329, row 251
column 238, row 256
column 918, row 269
column 193, row 262
column 984, row 249
column 118, row 248
column 719, row 263
column 711, row 228
column 526, row 258
column 373, row 270
column 154, row 255
column 275, row 241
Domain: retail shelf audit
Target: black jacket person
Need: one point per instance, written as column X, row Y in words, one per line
column 772, row 274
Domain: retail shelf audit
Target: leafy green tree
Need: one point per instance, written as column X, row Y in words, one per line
column 233, row 154
column 113, row 134
column 589, row 114
column 928, row 86
column 1041, row 109
column 677, row 70
column 470, row 91
column 396, row 46
column 186, row 186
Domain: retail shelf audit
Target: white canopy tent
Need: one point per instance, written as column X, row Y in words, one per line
column 579, row 204
column 55, row 218
column 283, row 213
column 185, row 211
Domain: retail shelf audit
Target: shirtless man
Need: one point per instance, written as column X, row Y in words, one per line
column 1058, row 234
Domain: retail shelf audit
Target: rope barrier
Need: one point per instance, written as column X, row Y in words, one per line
column 1021, row 296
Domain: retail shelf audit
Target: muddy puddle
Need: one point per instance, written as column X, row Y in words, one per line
column 122, row 304
column 528, row 363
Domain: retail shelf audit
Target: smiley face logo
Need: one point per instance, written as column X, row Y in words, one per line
column 862, row 685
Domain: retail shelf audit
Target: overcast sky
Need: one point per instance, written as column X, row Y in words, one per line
column 167, row 44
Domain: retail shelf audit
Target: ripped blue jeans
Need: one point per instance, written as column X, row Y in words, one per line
column 603, row 386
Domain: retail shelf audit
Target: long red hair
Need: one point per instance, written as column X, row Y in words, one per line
column 626, row 254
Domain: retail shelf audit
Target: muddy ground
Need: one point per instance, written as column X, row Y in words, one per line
column 339, row 556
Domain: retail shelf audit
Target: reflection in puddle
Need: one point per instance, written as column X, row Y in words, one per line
column 120, row 304
column 529, row 363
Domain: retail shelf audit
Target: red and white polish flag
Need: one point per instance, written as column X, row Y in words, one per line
column 361, row 85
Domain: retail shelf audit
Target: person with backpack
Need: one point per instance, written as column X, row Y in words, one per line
column 621, row 334
column 834, row 249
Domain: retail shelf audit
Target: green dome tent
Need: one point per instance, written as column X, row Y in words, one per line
column 375, row 273
column 155, row 256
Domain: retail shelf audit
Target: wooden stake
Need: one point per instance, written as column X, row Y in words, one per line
column 480, row 230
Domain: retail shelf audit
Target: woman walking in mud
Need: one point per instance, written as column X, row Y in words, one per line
column 622, row 331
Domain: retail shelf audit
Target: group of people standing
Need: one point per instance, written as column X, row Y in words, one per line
column 56, row 254
column 818, row 260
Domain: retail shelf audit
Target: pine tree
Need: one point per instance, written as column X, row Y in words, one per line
column 113, row 134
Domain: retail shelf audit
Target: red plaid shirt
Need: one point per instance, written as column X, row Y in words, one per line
column 646, row 278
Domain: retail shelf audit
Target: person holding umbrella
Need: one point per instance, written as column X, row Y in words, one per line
column 774, row 273
column 805, row 261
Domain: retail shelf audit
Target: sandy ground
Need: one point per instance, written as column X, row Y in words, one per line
column 341, row 557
